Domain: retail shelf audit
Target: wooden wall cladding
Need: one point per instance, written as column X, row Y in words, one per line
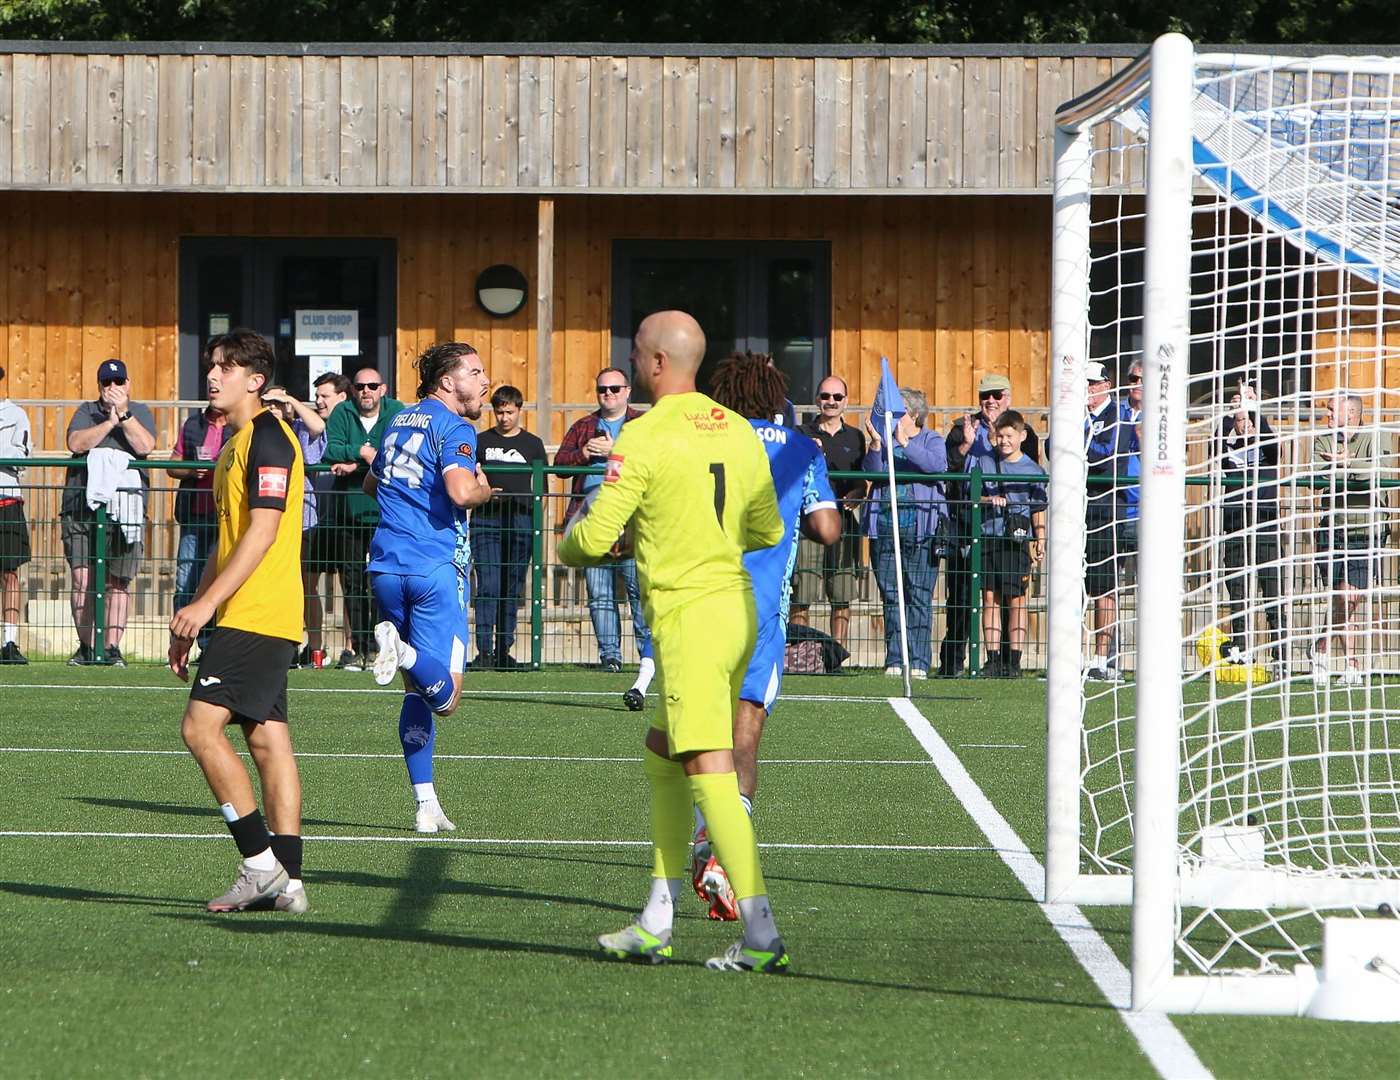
column 534, row 123
column 948, row 288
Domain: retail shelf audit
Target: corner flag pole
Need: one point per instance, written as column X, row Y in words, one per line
column 898, row 554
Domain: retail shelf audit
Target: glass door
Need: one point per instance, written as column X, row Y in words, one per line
column 327, row 305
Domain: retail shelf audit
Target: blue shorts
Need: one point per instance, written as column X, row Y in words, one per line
column 429, row 611
column 764, row 677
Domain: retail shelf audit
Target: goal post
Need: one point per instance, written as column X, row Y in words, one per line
column 1223, row 720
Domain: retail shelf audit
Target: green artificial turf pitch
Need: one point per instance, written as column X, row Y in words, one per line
column 915, row 951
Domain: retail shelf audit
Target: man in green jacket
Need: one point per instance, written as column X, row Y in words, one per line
column 353, row 433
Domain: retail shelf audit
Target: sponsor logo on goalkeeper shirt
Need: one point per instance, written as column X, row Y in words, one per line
column 714, row 420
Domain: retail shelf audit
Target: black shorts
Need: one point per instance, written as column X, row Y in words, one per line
column 245, row 673
column 14, row 538
column 1101, row 556
column 1006, row 564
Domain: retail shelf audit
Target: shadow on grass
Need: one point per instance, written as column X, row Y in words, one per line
column 413, row 933
column 382, row 932
column 181, row 810
column 426, row 882
column 563, row 701
column 948, row 991
column 73, row 893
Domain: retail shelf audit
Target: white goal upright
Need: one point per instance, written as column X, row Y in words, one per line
column 1224, row 692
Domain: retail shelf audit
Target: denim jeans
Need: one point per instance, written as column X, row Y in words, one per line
column 920, row 575
column 602, row 607
column 501, row 549
column 197, row 542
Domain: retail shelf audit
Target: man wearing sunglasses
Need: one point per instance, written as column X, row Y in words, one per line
column 830, row 572
column 353, row 435
column 112, row 422
column 969, row 435
column 589, row 442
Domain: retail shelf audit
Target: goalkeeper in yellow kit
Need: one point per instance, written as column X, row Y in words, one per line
column 693, row 480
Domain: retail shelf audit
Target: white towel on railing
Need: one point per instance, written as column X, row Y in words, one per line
column 114, row 483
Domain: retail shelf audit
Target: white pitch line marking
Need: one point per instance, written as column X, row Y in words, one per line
column 478, row 841
column 919, row 762
column 1166, row 1048
column 991, row 746
column 855, row 699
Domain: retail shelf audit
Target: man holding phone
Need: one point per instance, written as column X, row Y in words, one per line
column 589, row 442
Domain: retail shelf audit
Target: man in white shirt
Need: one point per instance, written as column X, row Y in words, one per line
column 14, row 530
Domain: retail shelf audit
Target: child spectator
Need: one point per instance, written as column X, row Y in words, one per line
column 1013, row 530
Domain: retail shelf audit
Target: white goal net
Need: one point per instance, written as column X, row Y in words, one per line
column 1224, row 696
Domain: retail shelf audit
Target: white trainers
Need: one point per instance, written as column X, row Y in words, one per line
column 250, row 887
column 1353, row 677
column 894, row 669
column 431, row 819
column 918, row 673
column 386, row 664
column 1320, row 671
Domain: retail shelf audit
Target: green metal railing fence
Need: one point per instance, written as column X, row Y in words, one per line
column 556, row 623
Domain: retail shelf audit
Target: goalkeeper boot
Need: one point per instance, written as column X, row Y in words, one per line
column 250, row 887
column 634, row 699
column 711, row 883
column 634, row 943
column 386, row 664
column 739, row 957
column 700, row 855
column 431, row 819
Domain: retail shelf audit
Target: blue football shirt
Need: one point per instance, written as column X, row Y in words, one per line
column 802, row 486
column 420, row 528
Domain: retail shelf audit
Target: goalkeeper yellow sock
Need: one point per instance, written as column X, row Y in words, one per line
column 670, row 815
column 730, row 830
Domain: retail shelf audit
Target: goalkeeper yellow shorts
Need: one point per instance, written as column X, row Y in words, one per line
column 702, row 648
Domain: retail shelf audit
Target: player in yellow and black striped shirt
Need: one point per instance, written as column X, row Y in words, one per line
column 254, row 586
column 693, row 480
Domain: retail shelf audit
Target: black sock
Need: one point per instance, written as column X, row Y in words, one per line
column 287, row 848
column 250, row 834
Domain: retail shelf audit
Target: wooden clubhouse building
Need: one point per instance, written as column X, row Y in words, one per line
column 828, row 205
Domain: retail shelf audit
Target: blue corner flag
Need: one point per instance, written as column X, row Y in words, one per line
column 887, row 399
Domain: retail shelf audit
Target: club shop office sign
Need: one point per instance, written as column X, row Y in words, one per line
column 327, row 332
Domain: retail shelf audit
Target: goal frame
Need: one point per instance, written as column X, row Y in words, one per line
column 1165, row 76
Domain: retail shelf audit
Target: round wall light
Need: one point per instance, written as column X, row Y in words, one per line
column 500, row 290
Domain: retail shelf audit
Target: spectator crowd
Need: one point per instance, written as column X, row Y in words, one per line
column 931, row 521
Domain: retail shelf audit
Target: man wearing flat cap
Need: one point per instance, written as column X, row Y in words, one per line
column 112, row 422
column 970, row 434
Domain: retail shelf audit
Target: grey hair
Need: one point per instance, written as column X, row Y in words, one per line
column 917, row 403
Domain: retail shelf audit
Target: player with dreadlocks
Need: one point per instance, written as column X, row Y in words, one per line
column 426, row 477
column 752, row 386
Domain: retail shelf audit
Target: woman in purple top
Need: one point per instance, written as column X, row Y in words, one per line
column 922, row 507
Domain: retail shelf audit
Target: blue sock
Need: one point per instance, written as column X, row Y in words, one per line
column 433, row 680
column 417, row 733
